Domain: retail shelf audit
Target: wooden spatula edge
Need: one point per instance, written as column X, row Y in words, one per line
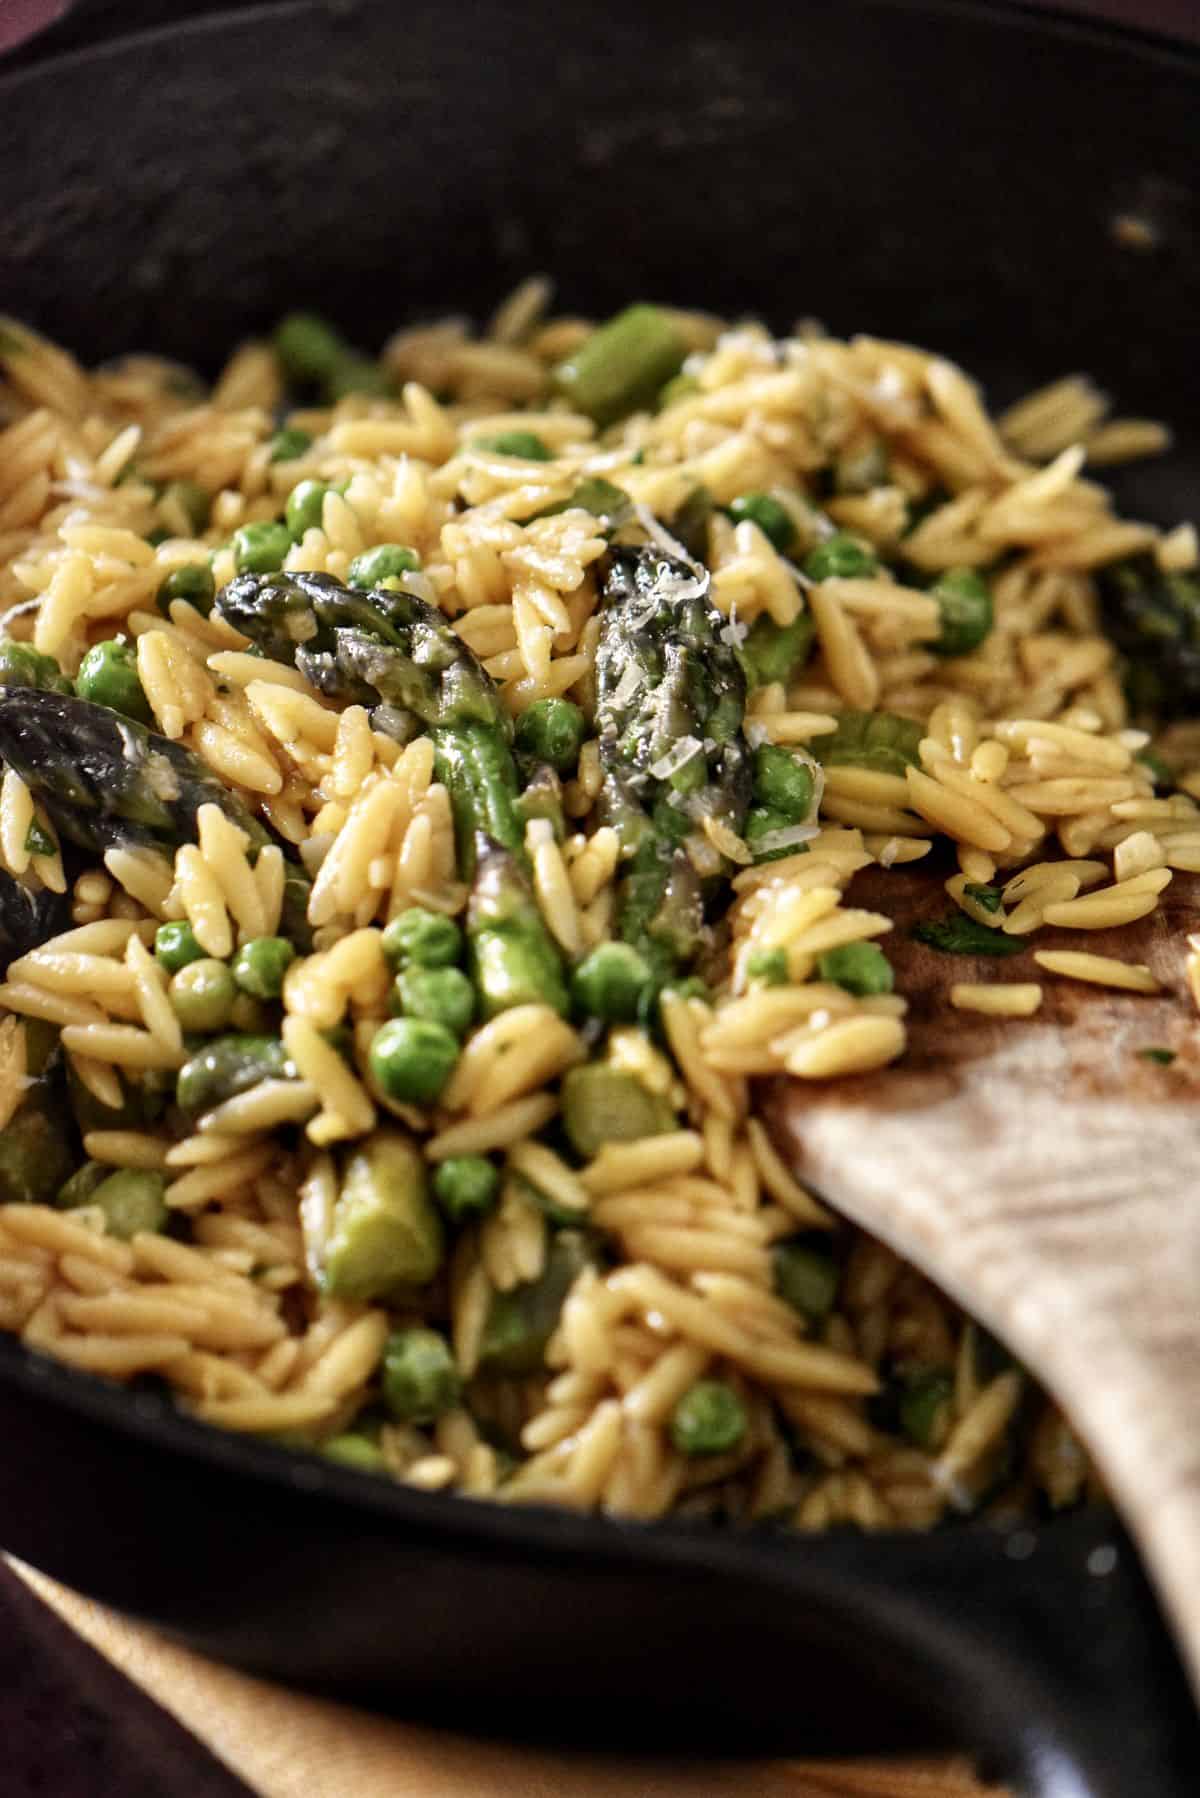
column 1047, row 1174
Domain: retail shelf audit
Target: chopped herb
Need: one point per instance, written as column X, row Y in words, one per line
column 39, row 841
column 860, row 968
column 1163, row 776
column 989, row 897
column 959, row 935
column 1164, row 1057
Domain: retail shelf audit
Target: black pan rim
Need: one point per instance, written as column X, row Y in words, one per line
column 538, row 1530
column 29, row 62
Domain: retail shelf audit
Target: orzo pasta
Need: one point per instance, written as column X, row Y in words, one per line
column 433, row 789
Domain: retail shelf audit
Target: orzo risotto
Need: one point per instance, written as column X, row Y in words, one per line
column 432, row 792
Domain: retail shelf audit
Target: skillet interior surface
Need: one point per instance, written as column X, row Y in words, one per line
column 960, row 177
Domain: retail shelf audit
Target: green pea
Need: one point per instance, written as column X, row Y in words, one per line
column 192, row 582
column 21, row 665
column 925, row 1407
column 806, row 1277
column 202, row 995
column 386, row 562
column 782, row 782
column 108, row 676
column 709, row 1419
column 175, row 946
column 420, row 1380
column 443, row 995
column 251, row 1016
column 261, row 548
column 967, row 614
column 466, row 1187
column 859, row 968
column 763, row 821
column 356, row 373
column 773, row 520
column 768, row 965
column 424, row 936
column 132, row 1201
column 525, row 444
column 353, row 1450
column 610, row 982
column 186, row 507
column 289, row 444
column 841, row 556
column 260, row 965
column 552, row 730
column 880, row 741
column 305, row 505
column 411, row 1060
column 308, row 347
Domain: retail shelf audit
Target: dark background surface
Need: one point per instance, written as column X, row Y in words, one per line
column 69, row 1724
column 73, row 1727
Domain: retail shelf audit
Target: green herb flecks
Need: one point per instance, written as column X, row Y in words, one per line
column 957, row 934
column 990, row 898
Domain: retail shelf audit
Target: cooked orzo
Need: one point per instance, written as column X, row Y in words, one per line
column 433, row 789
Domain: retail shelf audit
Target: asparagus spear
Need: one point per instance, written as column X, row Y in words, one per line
column 38, row 1144
column 476, row 767
column 28, row 918
column 391, row 650
column 106, row 780
column 384, row 646
column 513, row 957
column 1154, row 619
column 671, row 695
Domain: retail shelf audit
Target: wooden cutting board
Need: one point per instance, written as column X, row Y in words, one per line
column 1048, row 1176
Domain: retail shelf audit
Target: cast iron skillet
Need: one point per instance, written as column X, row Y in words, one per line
column 953, row 174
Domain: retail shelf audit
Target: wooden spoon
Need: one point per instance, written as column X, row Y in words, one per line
column 1047, row 1175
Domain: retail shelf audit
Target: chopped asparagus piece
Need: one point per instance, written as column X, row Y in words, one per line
column 513, row 957
column 36, row 1146
column 521, row 1321
column 228, row 1066
column 604, row 1104
column 622, row 366
column 385, row 1233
